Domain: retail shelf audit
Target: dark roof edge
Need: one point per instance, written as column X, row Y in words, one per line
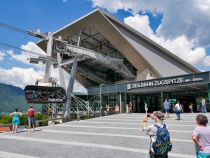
column 166, row 52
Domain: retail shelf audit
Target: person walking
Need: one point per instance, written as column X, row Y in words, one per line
column 130, row 107
column 201, row 137
column 160, row 143
column 15, row 120
column 117, row 109
column 127, row 108
column 31, row 120
column 178, row 109
column 146, row 108
column 203, row 106
column 167, row 106
column 191, row 107
column 107, row 108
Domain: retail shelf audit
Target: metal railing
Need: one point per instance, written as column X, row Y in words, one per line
column 79, row 105
column 113, row 63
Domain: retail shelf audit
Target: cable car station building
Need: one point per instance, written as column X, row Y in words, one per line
column 120, row 65
column 185, row 88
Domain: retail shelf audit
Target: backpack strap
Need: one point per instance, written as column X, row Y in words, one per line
column 157, row 126
column 150, row 147
column 164, row 126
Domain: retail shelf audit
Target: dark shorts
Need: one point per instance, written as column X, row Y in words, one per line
column 31, row 120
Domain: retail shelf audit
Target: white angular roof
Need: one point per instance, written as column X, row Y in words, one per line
column 139, row 50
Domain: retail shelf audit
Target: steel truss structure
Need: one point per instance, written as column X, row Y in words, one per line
column 57, row 49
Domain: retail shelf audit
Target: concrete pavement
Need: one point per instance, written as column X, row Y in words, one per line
column 115, row 136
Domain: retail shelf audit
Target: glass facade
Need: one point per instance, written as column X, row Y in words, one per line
column 152, row 101
column 187, row 89
column 209, row 92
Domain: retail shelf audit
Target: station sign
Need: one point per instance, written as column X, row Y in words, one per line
column 171, row 81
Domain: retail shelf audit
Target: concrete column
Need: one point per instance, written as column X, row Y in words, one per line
column 209, row 91
column 48, row 58
column 126, row 102
column 120, row 103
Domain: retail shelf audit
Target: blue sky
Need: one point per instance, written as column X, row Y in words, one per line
column 158, row 20
column 47, row 15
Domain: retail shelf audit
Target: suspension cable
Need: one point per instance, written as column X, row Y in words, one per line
column 35, row 34
column 15, row 47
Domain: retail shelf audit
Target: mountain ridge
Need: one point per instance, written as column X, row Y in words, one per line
column 12, row 97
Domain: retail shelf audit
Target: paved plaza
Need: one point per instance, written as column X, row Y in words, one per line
column 115, row 136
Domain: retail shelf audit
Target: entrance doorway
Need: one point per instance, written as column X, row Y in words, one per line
column 139, row 100
column 185, row 102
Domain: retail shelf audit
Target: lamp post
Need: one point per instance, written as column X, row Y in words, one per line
column 100, row 98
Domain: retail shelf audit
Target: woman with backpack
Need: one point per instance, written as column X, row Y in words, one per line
column 160, row 143
column 31, row 120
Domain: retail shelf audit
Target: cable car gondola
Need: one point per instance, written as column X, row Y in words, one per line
column 45, row 94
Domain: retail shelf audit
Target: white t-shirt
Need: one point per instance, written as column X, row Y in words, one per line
column 203, row 102
column 178, row 107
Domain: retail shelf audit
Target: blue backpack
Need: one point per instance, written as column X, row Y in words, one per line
column 162, row 145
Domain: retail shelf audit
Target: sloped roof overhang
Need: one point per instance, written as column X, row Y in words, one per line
column 105, row 24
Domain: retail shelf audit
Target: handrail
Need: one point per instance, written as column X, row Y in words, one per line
column 82, row 104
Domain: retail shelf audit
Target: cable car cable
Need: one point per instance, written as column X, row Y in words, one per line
column 15, row 47
column 35, row 34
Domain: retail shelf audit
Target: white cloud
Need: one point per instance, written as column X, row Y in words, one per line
column 190, row 18
column 19, row 77
column 22, row 77
column 184, row 28
column 139, row 23
column 31, row 46
column 77, row 86
column 183, row 48
column 38, row 31
column 180, row 46
column 2, row 55
column 25, row 55
column 203, row 5
column 206, row 61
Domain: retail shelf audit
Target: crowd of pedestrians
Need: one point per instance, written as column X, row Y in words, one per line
column 160, row 144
